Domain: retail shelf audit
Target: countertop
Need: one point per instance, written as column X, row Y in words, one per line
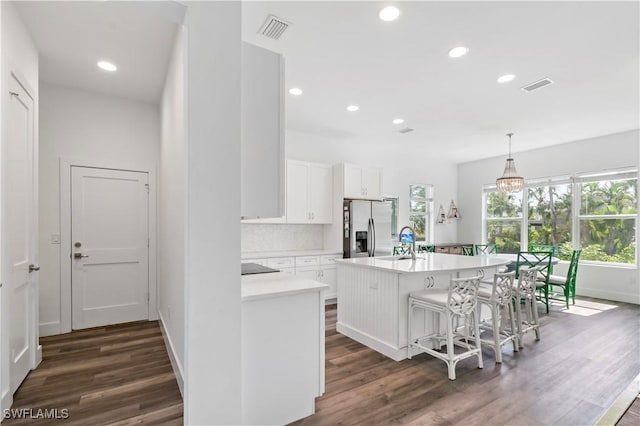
column 275, row 284
column 426, row 263
column 287, row 253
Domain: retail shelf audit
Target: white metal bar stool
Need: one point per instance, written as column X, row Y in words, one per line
column 459, row 302
column 497, row 295
column 525, row 293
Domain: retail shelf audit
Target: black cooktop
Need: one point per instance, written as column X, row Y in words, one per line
column 254, row 268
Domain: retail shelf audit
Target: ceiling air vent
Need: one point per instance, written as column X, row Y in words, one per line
column 406, row 130
column 536, row 85
column 273, row 27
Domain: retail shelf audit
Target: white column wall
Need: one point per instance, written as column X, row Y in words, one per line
column 212, row 308
column 588, row 155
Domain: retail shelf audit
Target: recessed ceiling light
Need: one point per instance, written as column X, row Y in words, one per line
column 459, row 51
column 295, row 91
column 398, row 121
column 353, row 108
column 506, row 78
column 389, row 13
column 107, row 66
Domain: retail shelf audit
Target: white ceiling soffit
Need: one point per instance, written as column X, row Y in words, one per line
column 340, row 53
column 137, row 36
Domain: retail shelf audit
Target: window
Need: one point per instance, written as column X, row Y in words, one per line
column 420, row 210
column 504, row 220
column 393, row 202
column 607, row 218
column 596, row 212
column 550, row 217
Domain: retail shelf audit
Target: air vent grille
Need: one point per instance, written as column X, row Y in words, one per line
column 537, row 85
column 406, row 130
column 273, row 27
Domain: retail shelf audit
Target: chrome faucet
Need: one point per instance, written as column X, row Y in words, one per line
column 412, row 247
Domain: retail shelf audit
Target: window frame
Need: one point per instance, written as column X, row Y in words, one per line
column 429, row 221
column 576, row 182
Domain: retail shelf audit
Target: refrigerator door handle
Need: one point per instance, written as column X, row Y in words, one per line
column 373, row 234
column 369, row 237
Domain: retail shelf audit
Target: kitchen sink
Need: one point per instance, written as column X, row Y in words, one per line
column 395, row 258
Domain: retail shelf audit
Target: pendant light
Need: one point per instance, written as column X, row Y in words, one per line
column 510, row 181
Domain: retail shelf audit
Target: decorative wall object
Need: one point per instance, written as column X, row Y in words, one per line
column 454, row 213
column 442, row 217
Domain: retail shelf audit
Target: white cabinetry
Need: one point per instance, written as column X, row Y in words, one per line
column 320, row 268
column 309, row 192
column 262, row 135
column 362, row 182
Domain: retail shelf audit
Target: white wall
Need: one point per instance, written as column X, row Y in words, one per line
column 172, row 208
column 18, row 54
column 400, row 169
column 212, row 309
column 91, row 128
column 589, row 155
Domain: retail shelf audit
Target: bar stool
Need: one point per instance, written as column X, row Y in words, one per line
column 497, row 295
column 525, row 292
column 459, row 302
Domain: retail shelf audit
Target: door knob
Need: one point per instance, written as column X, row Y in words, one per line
column 33, row 268
column 79, row 255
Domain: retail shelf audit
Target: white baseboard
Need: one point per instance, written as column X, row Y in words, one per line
column 175, row 364
column 38, row 356
column 609, row 295
column 49, row 328
column 396, row 354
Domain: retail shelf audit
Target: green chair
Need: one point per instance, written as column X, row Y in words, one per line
column 540, row 260
column 568, row 283
column 467, row 250
column 544, row 247
column 426, row 248
column 400, row 250
column 485, row 249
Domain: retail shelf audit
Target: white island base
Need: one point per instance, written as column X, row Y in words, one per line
column 373, row 295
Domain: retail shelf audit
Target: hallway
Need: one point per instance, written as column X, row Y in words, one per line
column 115, row 375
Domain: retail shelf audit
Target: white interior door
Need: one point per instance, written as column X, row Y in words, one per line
column 109, row 243
column 20, row 232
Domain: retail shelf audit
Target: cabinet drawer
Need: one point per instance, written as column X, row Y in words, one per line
column 455, row 250
column 281, row 262
column 442, row 249
column 307, row 261
column 329, row 259
column 290, row 271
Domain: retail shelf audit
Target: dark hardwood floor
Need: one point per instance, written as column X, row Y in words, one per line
column 584, row 360
column 117, row 375
column 632, row 416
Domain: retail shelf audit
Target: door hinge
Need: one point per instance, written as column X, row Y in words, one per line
column 146, row 186
column 148, row 243
column 147, row 296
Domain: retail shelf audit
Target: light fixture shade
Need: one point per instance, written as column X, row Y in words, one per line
column 510, row 180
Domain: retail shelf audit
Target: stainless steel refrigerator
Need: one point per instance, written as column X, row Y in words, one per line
column 366, row 230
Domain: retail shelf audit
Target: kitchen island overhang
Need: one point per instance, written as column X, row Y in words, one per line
column 373, row 295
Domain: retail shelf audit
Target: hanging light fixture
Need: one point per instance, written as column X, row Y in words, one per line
column 510, row 181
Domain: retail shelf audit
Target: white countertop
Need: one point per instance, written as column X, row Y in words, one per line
column 287, row 253
column 426, row 263
column 275, row 284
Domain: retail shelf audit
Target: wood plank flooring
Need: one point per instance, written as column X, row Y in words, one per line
column 117, row 375
column 585, row 358
column 632, row 416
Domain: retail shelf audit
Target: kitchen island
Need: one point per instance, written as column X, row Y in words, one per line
column 373, row 295
column 282, row 347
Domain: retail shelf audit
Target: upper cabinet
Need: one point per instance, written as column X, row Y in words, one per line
column 309, row 192
column 262, row 133
column 362, row 182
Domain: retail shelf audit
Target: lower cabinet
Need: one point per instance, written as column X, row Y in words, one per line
column 320, row 268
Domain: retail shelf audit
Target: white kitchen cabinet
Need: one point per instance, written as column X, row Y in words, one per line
column 362, row 182
column 320, row 268
column 309, row 192
column 262, row 134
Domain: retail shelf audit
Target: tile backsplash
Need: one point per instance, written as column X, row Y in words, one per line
column 272, row 237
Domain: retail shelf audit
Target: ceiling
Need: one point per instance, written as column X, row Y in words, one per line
column 72, row 37
column 340, row 53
